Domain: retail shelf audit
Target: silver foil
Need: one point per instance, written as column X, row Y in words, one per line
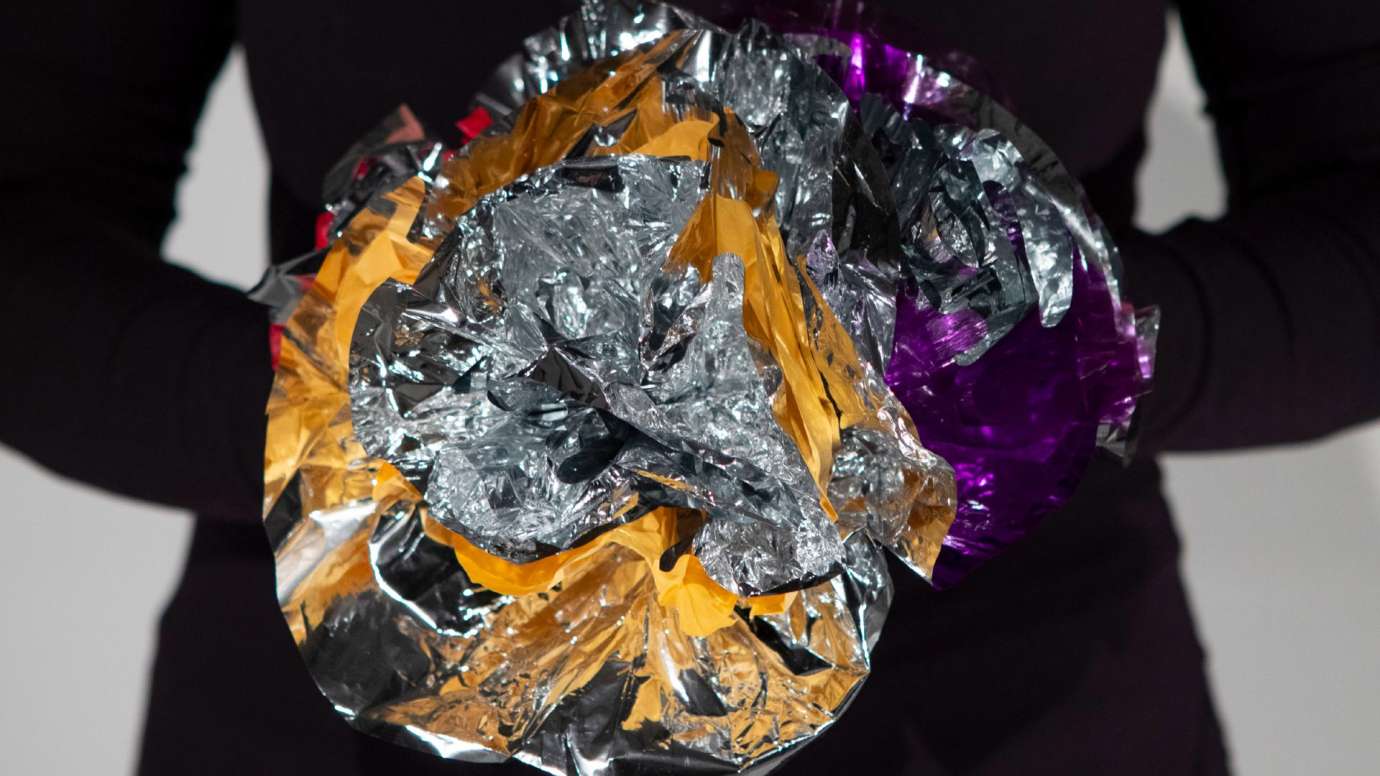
column 378, row 162
column 991, row 221
column 597, row 31
column 835, row 201
column 576, row 681
column 548, row 377
column 979, row 231
column 834, row 198
column 545, row 380
column 833, row 187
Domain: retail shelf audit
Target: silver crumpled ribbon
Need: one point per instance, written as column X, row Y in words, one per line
column 834, row 197
column 443, row 369
column 604, row 377
column 544, row 380
column 991, row 221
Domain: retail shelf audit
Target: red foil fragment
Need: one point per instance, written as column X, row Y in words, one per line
column 472, row 125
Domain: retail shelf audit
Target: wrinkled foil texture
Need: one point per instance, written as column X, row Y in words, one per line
column 833, row 196
column 538, row 489
column 995, row 245
column 1016, row 353
column 545, row 379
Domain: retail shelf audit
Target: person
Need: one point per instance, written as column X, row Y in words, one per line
column 1073, row 653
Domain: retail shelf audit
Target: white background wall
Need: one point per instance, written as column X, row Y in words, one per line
column 1281, row 545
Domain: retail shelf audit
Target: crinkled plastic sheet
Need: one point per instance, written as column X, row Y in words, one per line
column 546, row 379
column 1016, row 352
column 489, row 546
column 602, row 666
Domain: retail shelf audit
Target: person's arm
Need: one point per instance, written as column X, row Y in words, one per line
column 1271, row 314
column 119, row 369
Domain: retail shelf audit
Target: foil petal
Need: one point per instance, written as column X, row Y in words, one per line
column 1015, row 352
column 528, row 388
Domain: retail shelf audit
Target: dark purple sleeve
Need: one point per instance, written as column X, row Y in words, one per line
column 120, row 370
column 1271, row 314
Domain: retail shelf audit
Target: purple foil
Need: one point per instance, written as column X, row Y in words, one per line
column 883, row 67
column 1020, row 424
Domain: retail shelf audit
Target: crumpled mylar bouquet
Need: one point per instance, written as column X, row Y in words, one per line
column 589, row 438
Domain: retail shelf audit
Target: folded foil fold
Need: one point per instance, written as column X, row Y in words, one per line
column 544, row 380
column 1016, row 352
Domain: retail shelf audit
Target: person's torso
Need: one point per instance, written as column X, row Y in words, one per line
column 1010, row 646
column 1079, row 72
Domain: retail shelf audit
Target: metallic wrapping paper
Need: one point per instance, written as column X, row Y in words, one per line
column 584, row 449
column 1016, row 352
column 833, row 196
column 505, row 525
column 544, row 379
column 942, row 193
column 595, row 673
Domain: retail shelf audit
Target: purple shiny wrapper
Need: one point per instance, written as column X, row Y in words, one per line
column 1021, row 423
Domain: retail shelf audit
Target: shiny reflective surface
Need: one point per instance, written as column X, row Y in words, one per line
column 582, row 449
column 1015, row 351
